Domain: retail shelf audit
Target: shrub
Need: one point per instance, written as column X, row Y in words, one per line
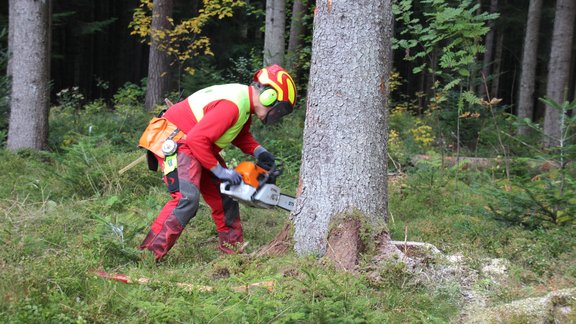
column 548, row 198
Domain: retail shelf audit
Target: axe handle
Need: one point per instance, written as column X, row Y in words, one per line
column 132, row 164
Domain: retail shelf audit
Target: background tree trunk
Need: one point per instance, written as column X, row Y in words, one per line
column 29, row 61
column 158, row 61
column 295, row 40
column 529, row 60
column 497, row 69
column 558, row 67
column 489, row 54
column 274, row 35
column 344, row 153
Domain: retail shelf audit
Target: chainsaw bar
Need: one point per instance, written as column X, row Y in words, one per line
column 286, row 202
column 258, row 188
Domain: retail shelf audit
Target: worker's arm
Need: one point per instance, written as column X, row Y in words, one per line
column 212, row 126
column 245, row 141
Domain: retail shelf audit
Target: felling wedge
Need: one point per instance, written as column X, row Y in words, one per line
column 258, row 188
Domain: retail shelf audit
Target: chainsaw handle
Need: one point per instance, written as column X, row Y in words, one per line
column 271, row 175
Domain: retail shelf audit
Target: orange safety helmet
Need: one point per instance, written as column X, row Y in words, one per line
column 279, row 92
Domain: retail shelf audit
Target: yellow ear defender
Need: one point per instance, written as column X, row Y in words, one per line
column 268, row 97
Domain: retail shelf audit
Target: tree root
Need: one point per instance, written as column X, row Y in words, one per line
column 280, row 245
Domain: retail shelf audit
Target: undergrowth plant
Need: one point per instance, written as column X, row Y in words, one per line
column 548, row 195
column 119, row 124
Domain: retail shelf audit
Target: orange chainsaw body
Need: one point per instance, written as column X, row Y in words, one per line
column 251, row 173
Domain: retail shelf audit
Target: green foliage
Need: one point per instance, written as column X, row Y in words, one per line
column 70, row 213
column 206, row 75
column 70, row 98
column 129, row 97
column 457, row 224
column 549, row 196
column 243, row 68
column 443, row 38
column 183, row 40
column 89, row 28
column 454, row 33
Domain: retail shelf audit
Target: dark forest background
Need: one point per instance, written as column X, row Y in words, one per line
column 92, row 47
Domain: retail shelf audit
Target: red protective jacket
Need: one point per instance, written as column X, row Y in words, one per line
column 219, row 116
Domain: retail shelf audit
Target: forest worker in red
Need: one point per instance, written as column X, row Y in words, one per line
column 208, row 121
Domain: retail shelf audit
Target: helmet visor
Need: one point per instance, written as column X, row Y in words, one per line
column 279, row 110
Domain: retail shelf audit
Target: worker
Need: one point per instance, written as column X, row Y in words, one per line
column 203, row 124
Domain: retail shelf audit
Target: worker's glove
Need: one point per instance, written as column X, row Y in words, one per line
column 227, row 175
column 265, row 159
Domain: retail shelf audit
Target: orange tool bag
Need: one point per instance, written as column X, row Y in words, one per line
column 158, row 131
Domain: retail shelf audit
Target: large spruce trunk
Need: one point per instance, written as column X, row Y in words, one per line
column 29, row 67
column 158, row 61
column 344, row 155
column 559, row 67
column 529, row 60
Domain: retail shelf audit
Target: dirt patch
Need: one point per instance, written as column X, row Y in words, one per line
column 344, row 244
column 220, row 273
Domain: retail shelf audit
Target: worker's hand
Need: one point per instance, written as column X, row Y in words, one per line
column 265, row 159
column 227, row 175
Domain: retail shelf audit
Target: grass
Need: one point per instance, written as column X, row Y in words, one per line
column 68, row 213
column 49, row 255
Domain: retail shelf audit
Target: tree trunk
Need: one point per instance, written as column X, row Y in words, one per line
column 529, row 60
column 344, row 155
column 158, row 61
column 274, row 34
column 489, row 54
column 295, row 40
column 430, row 86
column 29, row 61
column 558, row 71
column 497, row 70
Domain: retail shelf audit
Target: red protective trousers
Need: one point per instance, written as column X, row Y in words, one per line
column 185, row 185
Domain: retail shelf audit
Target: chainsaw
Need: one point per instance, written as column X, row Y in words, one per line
column 258, row 187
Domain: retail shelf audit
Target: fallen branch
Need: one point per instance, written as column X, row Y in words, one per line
column 408, row 244
column 269, row 285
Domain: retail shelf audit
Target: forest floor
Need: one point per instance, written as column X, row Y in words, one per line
column 64, row 219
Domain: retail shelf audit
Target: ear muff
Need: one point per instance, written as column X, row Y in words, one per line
column 268, row 97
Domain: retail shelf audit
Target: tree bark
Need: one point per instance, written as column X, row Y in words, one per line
column 344, row 158
column 497, row 70
column 29, row 62
column 558, row 67
column 525, row 108
column 295, row 40
column 158, row 61
column 274, row 35
column 489, row 54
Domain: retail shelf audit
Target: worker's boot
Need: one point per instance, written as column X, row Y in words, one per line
column 160, row 243
column 231, row 242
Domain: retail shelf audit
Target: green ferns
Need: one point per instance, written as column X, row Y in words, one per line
column 442, row 40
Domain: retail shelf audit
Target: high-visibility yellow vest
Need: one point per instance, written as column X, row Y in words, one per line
column 236, row 93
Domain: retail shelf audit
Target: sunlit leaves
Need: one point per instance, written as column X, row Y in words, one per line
column 182, row 40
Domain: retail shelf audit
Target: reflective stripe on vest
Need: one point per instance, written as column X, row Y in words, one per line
column 236, row 93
